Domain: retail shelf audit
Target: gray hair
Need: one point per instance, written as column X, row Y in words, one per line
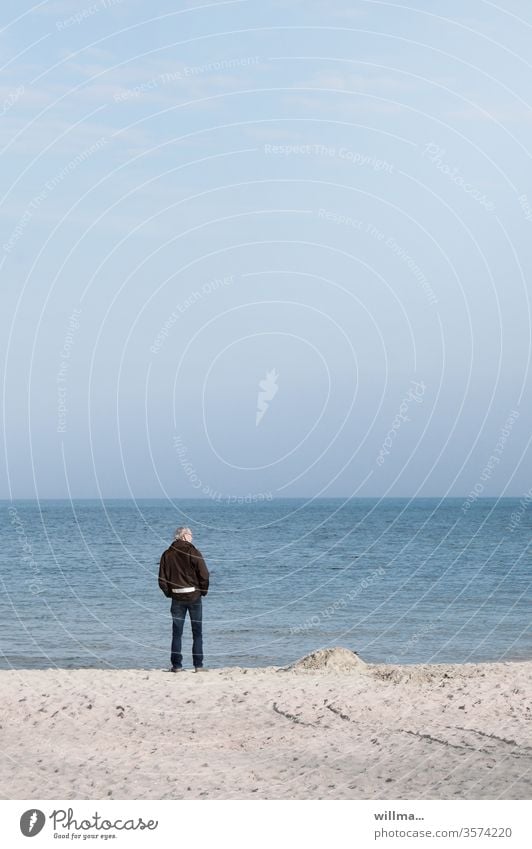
column 180, row 533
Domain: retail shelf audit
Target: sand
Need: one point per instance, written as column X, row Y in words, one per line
column 329, row 727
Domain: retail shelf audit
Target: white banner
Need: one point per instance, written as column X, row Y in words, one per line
column 277, row 824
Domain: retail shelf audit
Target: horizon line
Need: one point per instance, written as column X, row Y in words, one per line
column 239, row 500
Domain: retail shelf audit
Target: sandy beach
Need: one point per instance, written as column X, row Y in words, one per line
column 328, row 727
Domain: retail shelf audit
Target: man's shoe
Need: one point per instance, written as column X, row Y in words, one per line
column 199, row 669
column 175, row 669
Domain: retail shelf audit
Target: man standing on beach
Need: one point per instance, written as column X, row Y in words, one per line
column 184, row 577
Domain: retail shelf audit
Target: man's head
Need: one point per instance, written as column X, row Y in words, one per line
column 184, row 534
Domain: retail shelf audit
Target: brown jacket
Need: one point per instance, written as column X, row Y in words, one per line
column 182, row 565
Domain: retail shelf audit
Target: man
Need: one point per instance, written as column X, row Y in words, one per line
column 184, row 577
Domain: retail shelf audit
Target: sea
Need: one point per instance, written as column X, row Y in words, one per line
column 396, row 580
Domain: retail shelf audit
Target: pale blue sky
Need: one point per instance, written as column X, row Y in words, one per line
column 357, row 179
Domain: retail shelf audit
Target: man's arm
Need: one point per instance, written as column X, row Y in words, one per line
column 201, row 571
column 164, row 582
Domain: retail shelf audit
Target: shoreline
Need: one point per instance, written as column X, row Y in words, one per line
column 272, row 667
column 257, row 669
column 208, row 668
column 327, row 727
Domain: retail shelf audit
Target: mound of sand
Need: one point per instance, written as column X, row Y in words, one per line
column 331, row 660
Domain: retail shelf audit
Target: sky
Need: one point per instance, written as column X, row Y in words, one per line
column 260, row 250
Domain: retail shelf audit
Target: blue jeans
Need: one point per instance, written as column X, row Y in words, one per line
column 179, row 611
